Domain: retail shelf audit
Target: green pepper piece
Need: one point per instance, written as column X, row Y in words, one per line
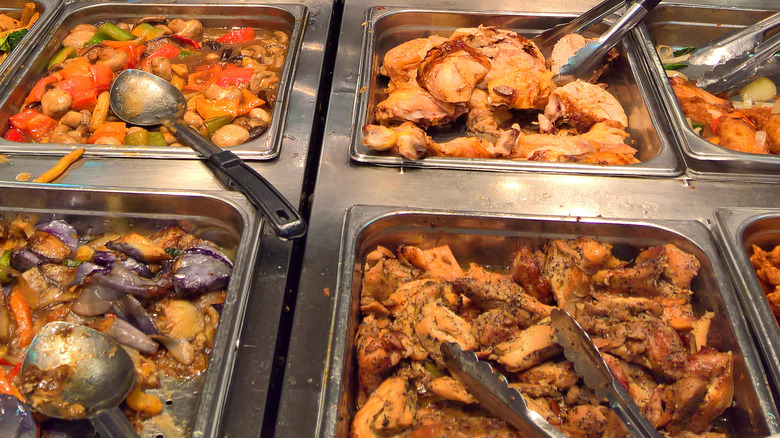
column 217, row 122
column 108, row 31
column 62, row 55
column 697, row 125
column 675, row 66
column 683, row 51
column 185, row 53
column 157, row 139
column 68, row 263
column 432, row 369
column 137, row 138
column 5, row 267
column 147, row 30
column 5, row 259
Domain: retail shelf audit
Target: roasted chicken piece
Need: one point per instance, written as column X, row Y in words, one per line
column 526, row 270
column 407, row 140
column 379, row 348
column 450, row 389
column 383, row 273
column 451, row 71
column 767, row 266
column 390, row 409
column 697, row 104
column 530, row 347
column 410, row 103
column 484, row 117
column 582, row 105
column 603, row 137
column 567, row 265
column 564, row 49
column 739, row 135
column 402, row 61
column 439, row 262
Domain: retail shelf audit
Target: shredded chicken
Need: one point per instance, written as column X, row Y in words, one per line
column 638, row 314
column 496, row 77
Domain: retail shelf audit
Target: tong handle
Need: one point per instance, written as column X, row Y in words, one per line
column 547, row 39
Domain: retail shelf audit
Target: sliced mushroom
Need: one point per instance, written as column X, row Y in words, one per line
column 73, row 119
column 190, row 28
column 153, row 19
column 216, row 92
column 55, row 103
column 162, row 67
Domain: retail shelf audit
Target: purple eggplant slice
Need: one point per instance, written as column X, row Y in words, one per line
column 23, row 259
column 63, row 231
column 198, row 271
column 139, row 248
column 48, row 246
column 124, row 333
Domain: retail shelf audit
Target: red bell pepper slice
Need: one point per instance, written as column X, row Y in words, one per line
column 37, row 92
column 14, row 134
column 238, row 76
column 165, row 51
column 77, row 67
column 238, row 36
column 33, row 123
column 187, row 40
column 83, row 91
column 102, row 76
column 199, row 80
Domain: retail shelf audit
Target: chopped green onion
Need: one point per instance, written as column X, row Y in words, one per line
column 683, row 51
column 71, row 263
column 174, row 252
column 185, row 53
column 697, row 125
column 675, row 66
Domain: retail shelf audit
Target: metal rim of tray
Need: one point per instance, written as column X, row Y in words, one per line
column 665, row 164
column 360, row 217
column 208, row 417
column 265, row 147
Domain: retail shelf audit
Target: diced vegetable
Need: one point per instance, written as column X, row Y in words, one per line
column 148, row 31
column 248, row 102
column 115, row 130
column 676, row 66
column 137, row 138
column 23, row 317
column 109, row 31
column 238, row 76
column 211, row 108
column 14, row 134
column 13, row 39
column 212, row 125
column 157, row 139
column 683, row 51
column 60, row 167
column 762, row 89
column 62, row 55
column 185, row 53
column 199, row 80
column 33, row 123
column 238, row 36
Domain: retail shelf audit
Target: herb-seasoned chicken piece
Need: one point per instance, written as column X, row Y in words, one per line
column 438, row 324
column 379, row 348
column 438, row 262
column 582, row 105
column 383, row 273
column 389, row 410
column 586, row 421
column 500, row 294
column 526, row 270
column 450, row 420
column 530, row 347
column 450, row 389
column 402, row 61
column 560, row 375
column 567, row 265
column 410, row 103
column 451, row 71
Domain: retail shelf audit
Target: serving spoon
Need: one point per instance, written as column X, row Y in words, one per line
column 94, row 373
column 143, row 99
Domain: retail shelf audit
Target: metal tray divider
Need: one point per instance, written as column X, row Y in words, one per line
column 665, row 164
column 266, row 149
column 360, row 217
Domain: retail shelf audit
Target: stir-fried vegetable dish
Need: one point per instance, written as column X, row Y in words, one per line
column 638, row 313
column 767, row 266
column 159, row 295
column 12, row 30
column 230, row 79
column 744, row 120
column 502, row 85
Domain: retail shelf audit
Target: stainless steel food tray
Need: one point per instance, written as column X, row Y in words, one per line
column 739, row 230
column 226, row 219
column 491, row 239
column 31, row 65
column 386, row 27
column 47, row 9
column 680, row 25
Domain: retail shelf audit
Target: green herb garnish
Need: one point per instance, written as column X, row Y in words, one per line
column 71, row 263
column 174, row 252
column 683, row 51
column 675, row 66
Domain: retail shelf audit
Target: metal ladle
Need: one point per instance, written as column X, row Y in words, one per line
column 97, row 374
column 144, row 99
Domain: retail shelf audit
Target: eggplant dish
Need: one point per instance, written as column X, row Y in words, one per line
column 502, row 85
column 639, row 314
column 159, row 295
column 230, row 80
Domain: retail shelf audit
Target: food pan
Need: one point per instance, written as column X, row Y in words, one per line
column 46, row 8
column 195, row 405
column 31, row 65
column 739, row 230
column 491, row 240
column 386, row 27
column 679, row 26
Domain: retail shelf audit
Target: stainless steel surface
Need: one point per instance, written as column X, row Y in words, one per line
column 387, row 26
column 580, row 350
column 733, row 45
column 47, row 9
column 589, row 58
column 739, row 230
column 679, row 25
column 31, row 65
column 547, row 39
column 99, row 377
column 101, row 370
column 492, row 391
column 226, row 219
column 490, row 239
column 342, row 183
column 728, row 76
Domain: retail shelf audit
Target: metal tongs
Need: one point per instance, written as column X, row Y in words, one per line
column 588, row 363
column 739, row 66
column 587, row 59
column 494, row 394
column 547, row 39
